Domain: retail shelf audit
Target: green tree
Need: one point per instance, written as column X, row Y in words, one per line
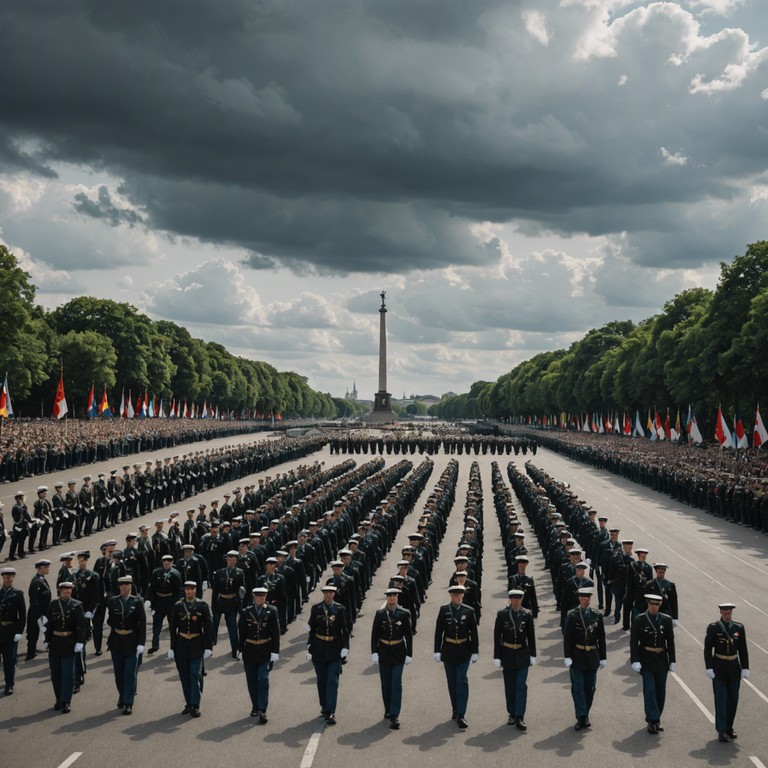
column 89, row 358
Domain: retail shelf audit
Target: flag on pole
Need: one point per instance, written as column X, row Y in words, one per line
column 6, row 409
column 104, row 405
column 123, row 411
column 638, row 431
column 692, row 429
column 129, row 412
column 722, row 433
column 627, row 425
column 739, row 435
column 161, row 412
column 585, row 427
column 91, row 409
column 759, row 434
column 60, row 403
column 151, row 410
column 676, row 431
column 145, row 404
column 139, row 408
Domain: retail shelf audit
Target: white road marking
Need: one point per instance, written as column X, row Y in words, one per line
column 757, row 691
column 757, row 762
column 696, row 700
column 309, row 752
column 71, row 759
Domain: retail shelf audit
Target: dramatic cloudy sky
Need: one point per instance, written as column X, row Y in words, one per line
column 512, row 172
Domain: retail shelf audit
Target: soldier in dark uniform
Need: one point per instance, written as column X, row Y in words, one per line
column 43, row 520
column 392, row 649
column 259, row 631
column 521, row 580
column 456, row 646
column 228, row 590
column 72, row 505
column 192, row 567
column 13, row 616
column 65, row 634
column 21, row 524
column 584, row 652
column 165, row 590
column 652, row 654
column 191, row 644
column 85, row 500
column 514, row 651
column 87, row 590
column 39, row 599
column 666, row 590
column 59, row 511
column 275, row 584
column 126, row 641
column 639, row 573
column 327, row 646
column 471, row 591
column 726, row 657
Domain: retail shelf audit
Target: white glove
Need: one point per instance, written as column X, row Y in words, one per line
column 148, row 605
column 273, row 657
column 207, row 653
column 307, row 628
column 603, row 663
column 45, row 647
column 637, row 666
column 408, row 659
column 437, row 657
column 241, row 592
column 588, row 561
column 89, row 614
column 374, row 658
column 205, row 585
column 308, row 656
column 497, row 663
column 344, row 653
column 171, row 655
column 78, row 647
column 139, row 650
column 675, row 622
column 533, row 661
column 711, row 674
column 744, row 674
column 17, row 638
column 672, row 666
column 567, row 662
column 473, row 658
column 42, row 621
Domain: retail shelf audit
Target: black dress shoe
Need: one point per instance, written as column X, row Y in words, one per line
column 330, row 720
column 731, row 733
column 57, row 706
column 76, row 689
column 97, row 653
column 652, row 728
column 9, row 690
column 512, row 720
column 65, row 708
column 194, row 712
column 186, row 709
column 152, row 650
column 587, row 724
column 254, row 713
column 462, row 723
column 394, row 724
column 723, row 736
column 387, row 715
column 453, row 716
column 263, row 719
column 520, row 724
column 120, row 704
column 127, row 710
column 579, row 724
column 659, row 727
column 30, row 656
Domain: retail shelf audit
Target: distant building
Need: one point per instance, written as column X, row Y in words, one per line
column 353, row 394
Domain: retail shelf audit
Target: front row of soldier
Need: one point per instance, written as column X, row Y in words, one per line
column 456, row 646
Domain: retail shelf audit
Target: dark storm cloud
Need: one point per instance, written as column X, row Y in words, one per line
column 104, row 208
column 359, row 135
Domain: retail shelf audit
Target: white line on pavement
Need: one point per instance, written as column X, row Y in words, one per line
column 757, row 691
column 758, row 763
column 71, row 759
column 309, row 752
column 696, row 700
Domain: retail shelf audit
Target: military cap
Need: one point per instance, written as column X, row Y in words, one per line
column 7, row 571
column 460, row 573
column 641, row 550
column 233, row 553
column 19, row 494
column 653, row 598
column 85, row 554
column 245, row 540
column 293, row 543
column 519, row 535
column 457, row 588
column 71, row 482
column 271, row 560
column 415, row 536
column 167, row 557
column 125, row 580
column 159, row 522
column 42, row 489
column 397, row 577
column 129, row 536
column 328, row 588
column 522, row 559
column 41, row 563
column 58, row 485
column 603, row 518
column 187, row 546
column 192, row 584
column 392, row 591
column 143, row 527
column 575, row 551
column 461, row 559
column 66, row 585
column 67, row 556
column 110, row 543
column 259, row 591
column 657, row 566
column 627, row 541
column 516, row 593
column 582, row 565
column 726, row 606
column 345, row 552
column 337, row 564
column 585, row 592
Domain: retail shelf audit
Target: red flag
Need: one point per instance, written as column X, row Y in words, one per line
column 104, row 405
column 123, row 411
column 627, row 425
column 722, row 433
column 667, row 430
column 60, row 408
column 90, row 410
column 759, row 435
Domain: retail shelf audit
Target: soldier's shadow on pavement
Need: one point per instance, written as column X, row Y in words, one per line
column 163, row 725
column 86, row 724
column 436, row 737
column 297, row 736
column 638, row 744
column 564, row 743
column 493, row 741
column 715, row 753
column 223, row 732
column 367, row 736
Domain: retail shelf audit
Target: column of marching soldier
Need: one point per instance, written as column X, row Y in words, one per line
column 650, row 603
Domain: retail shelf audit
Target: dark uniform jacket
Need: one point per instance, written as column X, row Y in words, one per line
column 667, row 591
column 456, row 633
column 191, row 629
column 584, row 638
column 725, row 649
column 66, row 626
column 514, row 639
column 128, row 621
column 13, row 614
column 165, row 589
column 87, row 590
column 527, row 584
column 328, row 631
column 259, row 633
column 227, row 585
column 39, row 595
column 391, row 636
column 652, row 642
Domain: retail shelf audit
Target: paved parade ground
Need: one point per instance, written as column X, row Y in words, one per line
column 710, row 561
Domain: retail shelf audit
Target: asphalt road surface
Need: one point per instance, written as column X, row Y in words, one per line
column 709, row 560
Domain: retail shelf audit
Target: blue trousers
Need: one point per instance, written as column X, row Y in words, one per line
column 191, row 674
column 618, row 599
column 126, row 667
column 8, row 655
column 654, row 694
column 62, row 676
column 726, row 703
column 583, row 683
column 328, row 683
column 392, row 687
column 458, row 686
column 230, row 617
column 158, row 617
column 257, row 677
column 516, row 691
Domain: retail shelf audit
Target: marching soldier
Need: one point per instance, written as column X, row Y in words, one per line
column 191, row 644
column 65, row 633
column 392, row 649
column 259, row 630
column 327, row 647
column 13, row 615
column 21, row 524
column 727, row 660
column 514, row 651
column 652, row 654
column 666, row 590
column 39, row 599
column 228, row 591
column 165, row 590
column 456, row 646
column 126, row 641
column 584, row 653
column 87, row 590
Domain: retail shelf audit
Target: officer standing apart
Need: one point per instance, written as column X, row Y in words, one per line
column 457, row 646
column 327, row 645
column 584, row 652
column 259, row 632
column 652, row 654
column 392, row 649
column 191, row 643
column 13, row 615
column 65, row 633
column 126, row 641
column 727, row 661
column 514, row 651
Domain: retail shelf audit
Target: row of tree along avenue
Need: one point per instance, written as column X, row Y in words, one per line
column 124, row 355
column 705, row 351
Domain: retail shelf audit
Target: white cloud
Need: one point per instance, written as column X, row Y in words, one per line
column 536, row 24
column 673, row 158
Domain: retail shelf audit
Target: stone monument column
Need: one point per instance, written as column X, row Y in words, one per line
column 382, row 404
